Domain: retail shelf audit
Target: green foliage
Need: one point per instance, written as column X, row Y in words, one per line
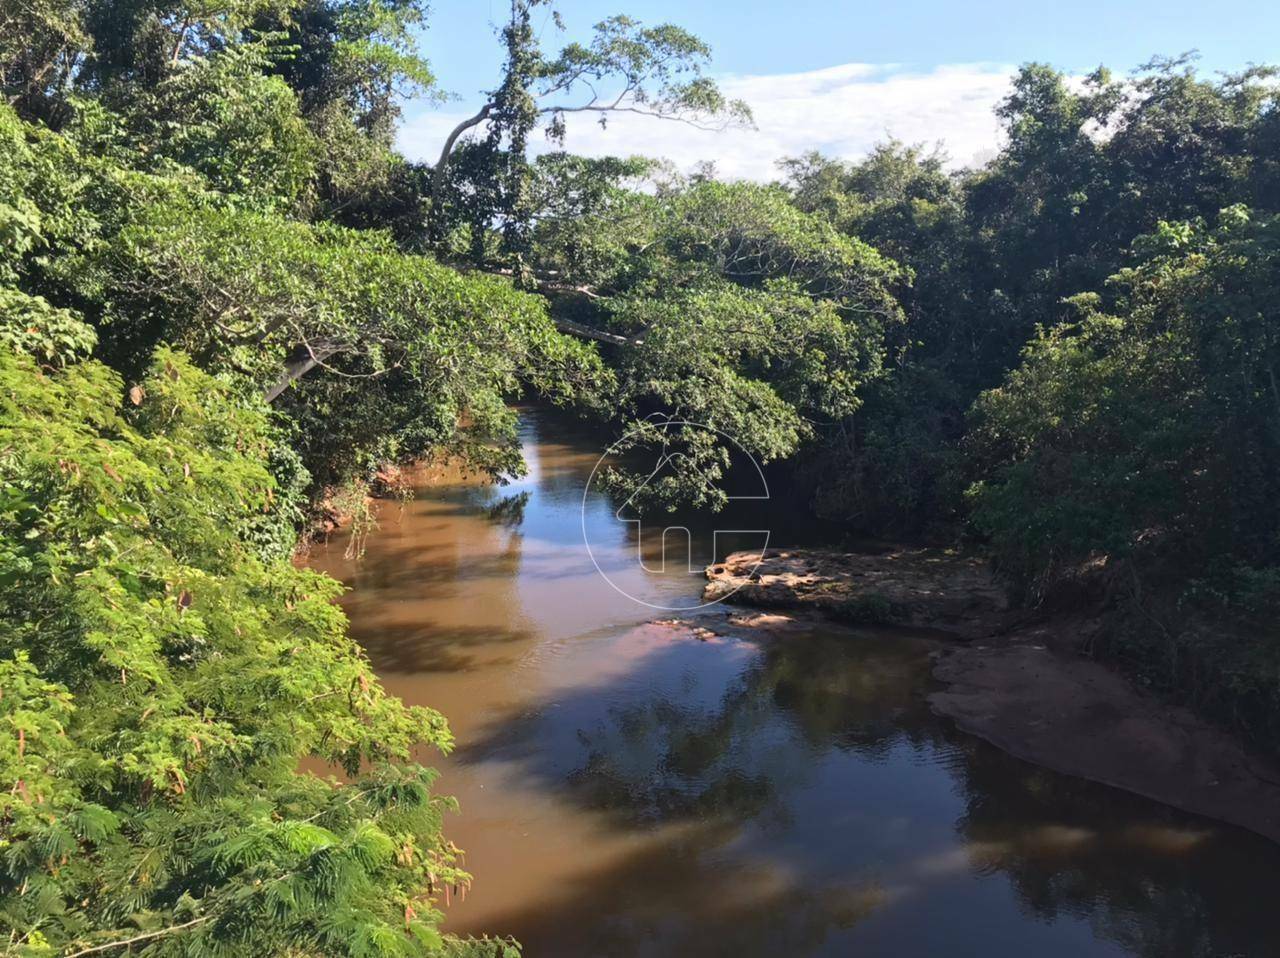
column 44, row 198
column 38, row 46
column 997, row 252
column 1117, row 434
column 659, row 70
column 739, row 312
column 758, row 365
column 584, row 206
column 1156, row 425
column 891, row 468
column 379, row 355
column 222, row 117
column 163, row 682
column 28, row 324
column 357, row 56
column 405, row 348
column 1143, row 441
column 207, row 196
column 135, row 46
column 627, row 67
column 177, row 187
column 351, row 64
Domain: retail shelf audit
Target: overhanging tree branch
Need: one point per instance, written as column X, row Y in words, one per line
column 304, row 358
column 437, row 177
column 148, row 936
column 658, row 70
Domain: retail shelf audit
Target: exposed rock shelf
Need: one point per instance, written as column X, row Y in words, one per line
column 921, row 588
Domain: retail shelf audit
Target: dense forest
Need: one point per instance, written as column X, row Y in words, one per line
column 227, row 304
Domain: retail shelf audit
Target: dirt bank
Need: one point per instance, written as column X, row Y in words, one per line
column 1020, row 685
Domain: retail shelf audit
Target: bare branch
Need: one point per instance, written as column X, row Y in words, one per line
column 137, row 938
column 301, row 361
column 658, row 114
column 437, row 177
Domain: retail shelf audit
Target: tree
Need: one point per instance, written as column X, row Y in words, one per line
column 357, row 56
column 351, row 63
column 225, row 117
column 626, row 68
column 137, row 44
column 1154, row 425
column 1141, row 445
column 731, row 309
column 163, row 681
column 409, row 349
column 890, row 468
column 40, row 47
column 997, row 252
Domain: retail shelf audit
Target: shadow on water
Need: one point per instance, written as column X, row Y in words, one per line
column 427, row 646
column 630, row 791
column 803, row 799
column 424, row 570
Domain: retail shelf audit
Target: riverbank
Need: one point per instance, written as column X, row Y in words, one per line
column 1020, row 683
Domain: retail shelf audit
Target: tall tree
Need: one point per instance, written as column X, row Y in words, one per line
column 625, row 68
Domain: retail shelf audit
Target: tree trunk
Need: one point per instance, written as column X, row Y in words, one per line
column 587, row 332
column 301, row 361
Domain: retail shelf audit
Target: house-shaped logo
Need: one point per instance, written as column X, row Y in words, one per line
column 675, row 544
column 676, row 551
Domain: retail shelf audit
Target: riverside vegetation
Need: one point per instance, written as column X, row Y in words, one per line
column 224, row 299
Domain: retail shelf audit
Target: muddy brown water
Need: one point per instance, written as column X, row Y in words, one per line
column 627, row 790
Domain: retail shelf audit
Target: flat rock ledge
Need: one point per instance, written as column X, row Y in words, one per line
column 920, row 588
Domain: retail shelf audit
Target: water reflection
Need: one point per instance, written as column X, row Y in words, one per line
column 628, row 790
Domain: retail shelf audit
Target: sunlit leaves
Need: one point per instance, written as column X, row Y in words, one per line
column 162, row 682
column 1157, row 423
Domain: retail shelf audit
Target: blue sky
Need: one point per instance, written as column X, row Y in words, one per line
column 841, row 75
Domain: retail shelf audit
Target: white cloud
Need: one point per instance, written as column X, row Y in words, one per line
column 842, row 111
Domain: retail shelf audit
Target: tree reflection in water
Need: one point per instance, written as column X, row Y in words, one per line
column 781, row 780
column 630, row 792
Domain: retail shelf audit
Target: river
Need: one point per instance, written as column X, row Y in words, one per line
column 629, row 790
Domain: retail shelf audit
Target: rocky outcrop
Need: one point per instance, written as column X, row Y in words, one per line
column 921, row 588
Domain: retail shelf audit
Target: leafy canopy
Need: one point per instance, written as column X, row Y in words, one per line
column 163, row 682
